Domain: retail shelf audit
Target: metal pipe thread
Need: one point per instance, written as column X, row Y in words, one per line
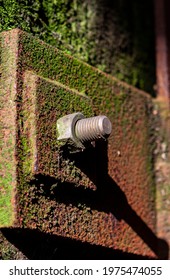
column 90, row 129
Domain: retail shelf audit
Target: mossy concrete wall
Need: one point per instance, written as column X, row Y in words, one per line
column 114, row 36
column 103, row 196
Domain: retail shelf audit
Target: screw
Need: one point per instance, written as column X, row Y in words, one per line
column 93, row 128
column 74, row 129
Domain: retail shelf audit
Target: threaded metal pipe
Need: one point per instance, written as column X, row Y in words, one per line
column 90, row 129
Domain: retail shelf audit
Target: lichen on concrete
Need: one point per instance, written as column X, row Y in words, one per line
column 76, row 196
column 8, row 129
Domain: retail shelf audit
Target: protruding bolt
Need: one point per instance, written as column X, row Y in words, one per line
column 76, row 129
column 93, row 128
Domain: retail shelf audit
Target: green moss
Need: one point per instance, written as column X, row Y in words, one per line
column 110, row 35
column 52, row 101
column 6, row 179
column 6, row 211
column 49, row 183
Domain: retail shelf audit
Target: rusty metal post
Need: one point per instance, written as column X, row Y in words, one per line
column 161, row 52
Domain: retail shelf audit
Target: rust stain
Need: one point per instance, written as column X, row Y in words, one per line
column 162, row 50
column 104, row 195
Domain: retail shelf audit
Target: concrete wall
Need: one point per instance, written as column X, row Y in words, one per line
column 94, row 204
column 115, row 36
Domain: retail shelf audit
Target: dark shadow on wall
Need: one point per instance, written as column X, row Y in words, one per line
column 108, row 198
column 37, row 245
column 124, row 44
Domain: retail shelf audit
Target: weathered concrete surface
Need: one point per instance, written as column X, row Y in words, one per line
column 162, row 167
column 162, row 164
column 103, row 196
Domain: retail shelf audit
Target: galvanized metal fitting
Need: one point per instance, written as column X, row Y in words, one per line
column 78, row 130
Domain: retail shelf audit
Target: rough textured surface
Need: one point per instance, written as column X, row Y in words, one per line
column 162, row 164
column 162, row 167
column 115, row 36
column 8, row 113
column 103, row 196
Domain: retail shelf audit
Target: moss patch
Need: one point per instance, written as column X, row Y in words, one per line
column 113, row 36
column 76, row 196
